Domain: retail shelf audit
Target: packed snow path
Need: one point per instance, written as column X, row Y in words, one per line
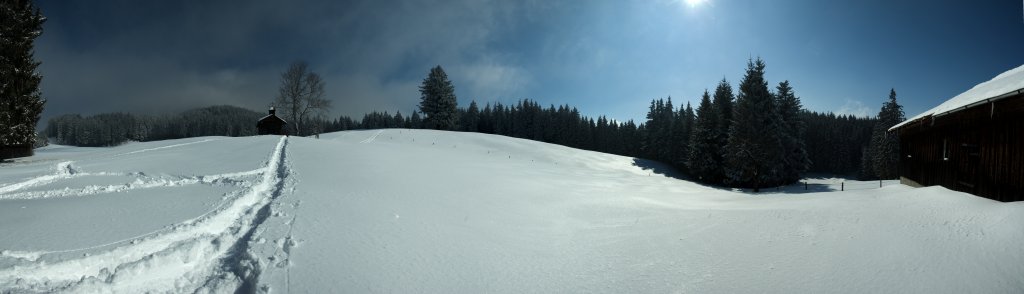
column 420, row 211
column 209, row 252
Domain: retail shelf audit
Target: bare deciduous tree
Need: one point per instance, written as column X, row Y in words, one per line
column 301, row 96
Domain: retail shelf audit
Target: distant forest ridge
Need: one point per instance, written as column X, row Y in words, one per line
column 110, row 129
column 834, row 142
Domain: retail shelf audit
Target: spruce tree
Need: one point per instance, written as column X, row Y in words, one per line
column 795, row 161
column 651, row 134
column 470, row 119
column 415, row 122
column 886, row 146
column 753, row 155
column 686, row 121
column 669, row 133
column 867, row 170
column 723, row 105
column 437, row 101
column 723, row 108
column 705, row 153
column 21, row 102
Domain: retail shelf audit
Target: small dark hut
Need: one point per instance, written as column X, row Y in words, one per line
column 973, row 143
column 271, row 125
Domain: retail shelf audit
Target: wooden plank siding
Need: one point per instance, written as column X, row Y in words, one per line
column 979, row 150
column 15, row 151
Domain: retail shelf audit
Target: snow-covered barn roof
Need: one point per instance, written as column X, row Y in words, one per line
column 1004, row 85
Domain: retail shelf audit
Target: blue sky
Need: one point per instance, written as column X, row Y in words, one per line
column 604, row 57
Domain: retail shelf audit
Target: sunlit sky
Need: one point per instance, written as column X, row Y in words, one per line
column 604, row 57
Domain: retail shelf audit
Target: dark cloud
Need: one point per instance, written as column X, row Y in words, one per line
column 150, row 56
column 606, row 57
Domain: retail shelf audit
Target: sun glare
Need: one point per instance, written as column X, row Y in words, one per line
column 694, row 3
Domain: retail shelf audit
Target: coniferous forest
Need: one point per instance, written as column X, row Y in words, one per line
column 756, row 136
column 111, row 129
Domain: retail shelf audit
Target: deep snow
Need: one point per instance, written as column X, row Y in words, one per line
column 445, row 212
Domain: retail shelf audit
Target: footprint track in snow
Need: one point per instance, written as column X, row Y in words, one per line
column 202, row 253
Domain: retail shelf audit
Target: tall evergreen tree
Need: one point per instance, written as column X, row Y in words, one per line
column 671, row 132
column 795, row 161
column 470, row 119
column 723, row 106
column 686, row 121
column 21, row 102
column 753, row 154
column 437, row 101
column 415, row 121
column 651, row 135
column 705, row 153
column 723, row 103
column 885, row 147
column 867, row 170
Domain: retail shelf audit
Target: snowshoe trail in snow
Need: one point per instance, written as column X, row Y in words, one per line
column 164, row 147
column 373, row 137
column 64, row 170
column 141, row 181
column 209, row 253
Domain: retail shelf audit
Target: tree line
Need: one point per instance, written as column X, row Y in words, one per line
column 753, row 139
column 110, row 129
column 758, row 137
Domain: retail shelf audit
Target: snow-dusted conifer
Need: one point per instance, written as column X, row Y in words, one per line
column 753, row 155
column 669, row 135
column 723, row 102
column 867, row 170
column 795, row 161
column 472, row 116
column 21, row 102
column 415, row 121
column 705, row 154
column 437, row 101
column 885, row 146
column 686, row 121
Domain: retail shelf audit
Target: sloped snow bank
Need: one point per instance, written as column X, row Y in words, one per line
column 429, row 211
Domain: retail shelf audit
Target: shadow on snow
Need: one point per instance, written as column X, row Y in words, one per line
column 666, row 170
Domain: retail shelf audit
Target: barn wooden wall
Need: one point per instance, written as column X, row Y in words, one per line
column 984, row 150
column 15, row 151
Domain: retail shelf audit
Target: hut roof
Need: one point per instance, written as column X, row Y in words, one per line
column 1004, row 85
column 273, row 116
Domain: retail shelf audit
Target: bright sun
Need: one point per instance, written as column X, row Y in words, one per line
column 694, row 3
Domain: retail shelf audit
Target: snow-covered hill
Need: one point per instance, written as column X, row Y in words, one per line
column 419, row 211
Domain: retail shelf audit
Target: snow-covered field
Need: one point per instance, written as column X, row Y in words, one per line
column 419, row 211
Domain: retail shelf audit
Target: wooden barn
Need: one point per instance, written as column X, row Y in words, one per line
column 271, row 125
column 972, row 143
column 15, row 151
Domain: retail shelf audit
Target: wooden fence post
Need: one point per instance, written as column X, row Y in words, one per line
column 842, row 186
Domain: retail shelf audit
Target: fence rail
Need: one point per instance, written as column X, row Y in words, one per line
column 809, row 186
